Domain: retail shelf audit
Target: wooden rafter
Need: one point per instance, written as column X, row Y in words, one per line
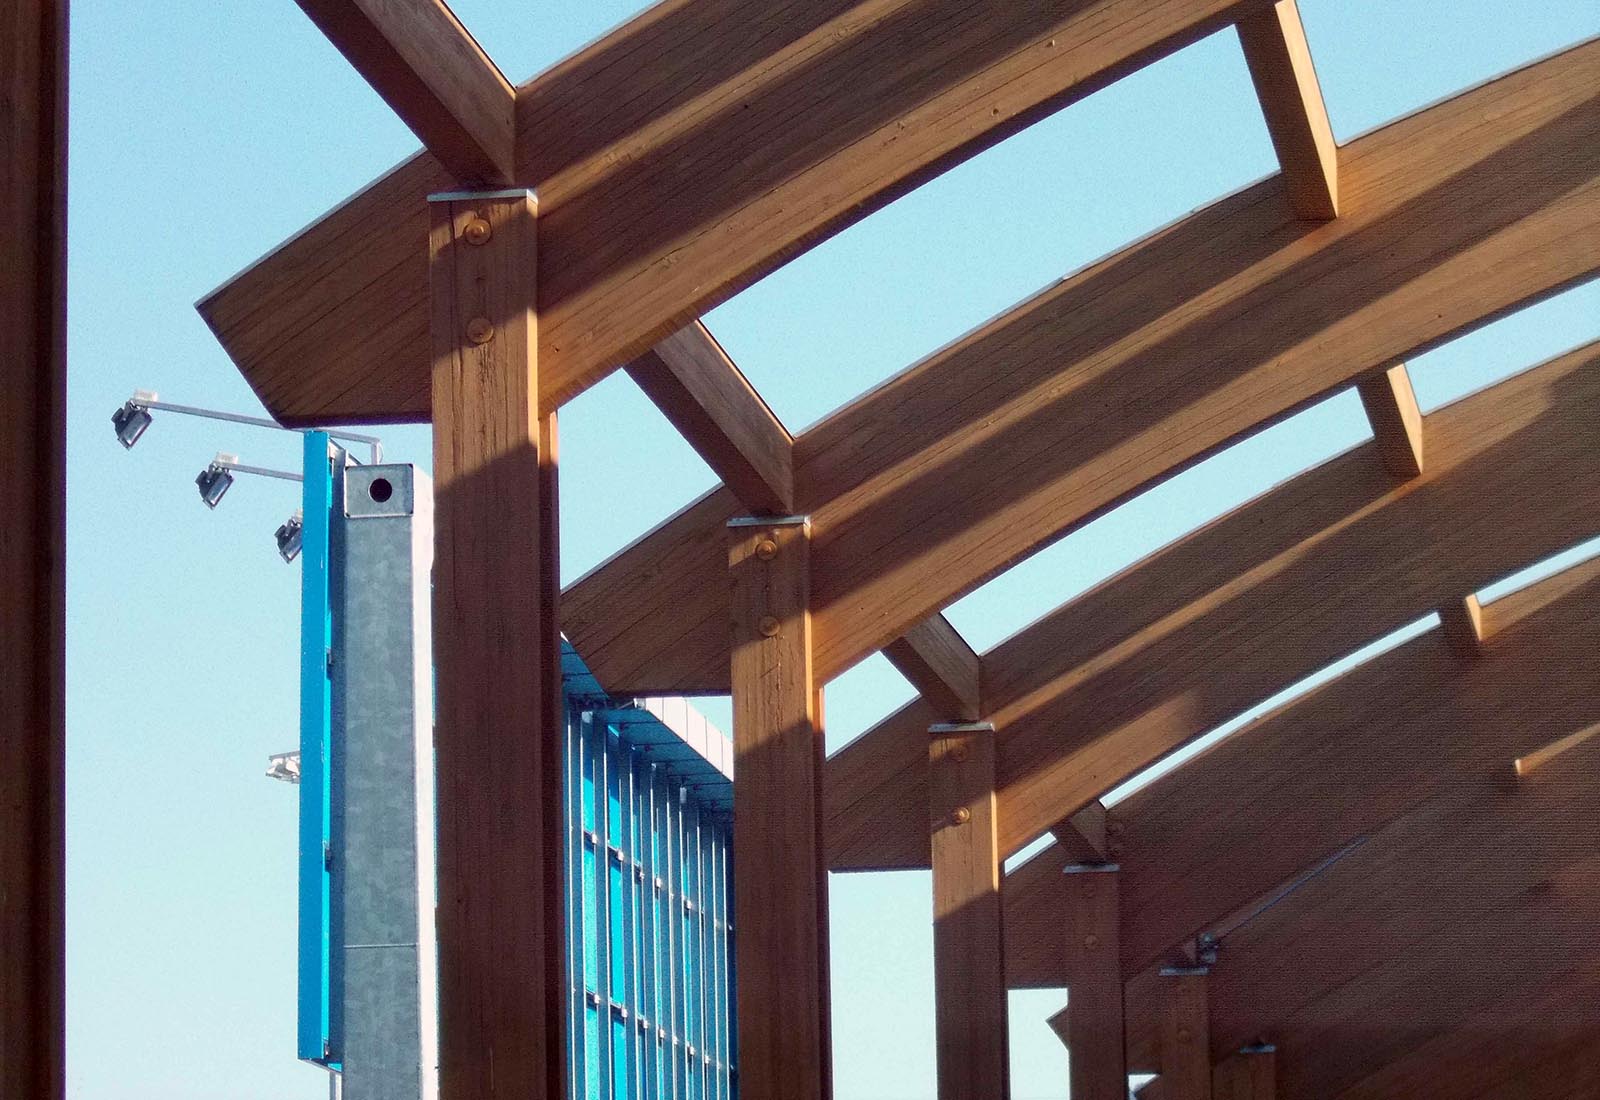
column 33, row 433
column 1279, row 60
column 1407, row 727
column 1391, row 407
column 677, row 160
column 1135, row 368
column 421, row 60
column 940, row 664
column 1296, row 579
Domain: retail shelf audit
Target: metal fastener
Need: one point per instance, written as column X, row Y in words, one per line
column 479, row 330
column 477, row 231
column 961, row 816
column 1091, row 940
column 768, row 626
column 766, row 549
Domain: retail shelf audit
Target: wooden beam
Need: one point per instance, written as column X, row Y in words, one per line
column 33, row 432
column 1185, row 1034
column 1093, row 959
column 969, row 970
column 1139, row 366
column 678, row 160
column 940, row 664
column 502, row 1005
column 1405, row 726
column 1280, row 66
column 1082, row 836
column 1250, row 1073
column 1302, row 576
column 1391, row 407
column 433, row 74
column 709, row 400
column 780, row 899
column 1462, row 623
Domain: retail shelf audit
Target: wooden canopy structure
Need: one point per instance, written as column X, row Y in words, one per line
column 1355, row 895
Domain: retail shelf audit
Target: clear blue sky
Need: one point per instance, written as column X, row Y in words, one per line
column 204, row 133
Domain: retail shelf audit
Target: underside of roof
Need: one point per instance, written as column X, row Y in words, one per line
column 1391, row 878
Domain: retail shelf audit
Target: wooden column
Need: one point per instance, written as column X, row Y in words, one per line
column 780, row 882
column 33, row 75
column 497, row 657
column 1249, row 1074
column 1185, row 1034
column 1095, row 1033
column 968, row 947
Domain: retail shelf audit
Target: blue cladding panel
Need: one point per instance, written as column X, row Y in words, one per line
column 316, row 626
column 647, row 885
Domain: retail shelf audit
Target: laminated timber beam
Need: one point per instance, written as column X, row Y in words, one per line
column 1135, row 368
column 1219, row 836
column 939, row 663
column 677, row 160
column 1279, row 60
column 1092, row 1024
column 1250, row 1073
column 420, row 59
column 1298, row 578
column 1391, row 407
column 499, row 723
column 33, row 423
column 780, row 884
column 1185, row 1033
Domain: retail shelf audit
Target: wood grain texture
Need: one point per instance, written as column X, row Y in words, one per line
column 1226, row 830
column 1246, row 1074
column 780, row 885
column 1279, row 59
column 498, row 742
column 969, row 972
column 711, row 403
column 1185, row 1035
column 33, row 432
column 426, row 66
column 1094, row 1024
column 677, row 160
column 1391, row 407
column 1144, row 363
column 1226, row 617
column 940, row 664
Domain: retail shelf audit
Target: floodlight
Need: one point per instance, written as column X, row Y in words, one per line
column 133, row 418
column 289, row 536
column 215, row 480
column 284, row 766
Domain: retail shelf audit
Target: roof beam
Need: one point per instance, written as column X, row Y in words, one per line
column 1136, row 367
column 433, row 74
column 677, row 160
column 1280, row 66
column 1298, row 578
column 1462, row 623
column 940, row 664
column 711, row 403
column 1396, row 419
column 1082, row 836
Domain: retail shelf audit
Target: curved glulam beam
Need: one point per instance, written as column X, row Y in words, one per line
column 677, row 160
column 1217, row 836
column 1134, row 368
column 1239, row 610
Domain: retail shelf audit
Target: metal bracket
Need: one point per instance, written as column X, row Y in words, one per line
column 769, row 521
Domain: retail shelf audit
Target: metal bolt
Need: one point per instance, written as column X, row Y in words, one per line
column 961, row 816
column 766, row 549
column 1091, row 940
column 959, row 752
column 479, row 330
column 768, row 626
column 1183, row 1034
column 477, row 231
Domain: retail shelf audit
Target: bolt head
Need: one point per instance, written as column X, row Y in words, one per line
column 477, row 231
column 1183, row 1035
column 1091, row 940
column 766, row 549
column 480, row 330
column 961, row 816
column 768, row 626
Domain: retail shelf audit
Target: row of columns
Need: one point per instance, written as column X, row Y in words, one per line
column 497, row 654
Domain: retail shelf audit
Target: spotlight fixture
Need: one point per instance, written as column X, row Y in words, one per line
column 215, row 480
column 284, row 766
column 133, row 418
column 289, row 536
